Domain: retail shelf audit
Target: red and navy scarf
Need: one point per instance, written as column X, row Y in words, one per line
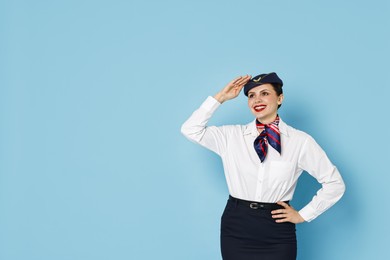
column 270, row 135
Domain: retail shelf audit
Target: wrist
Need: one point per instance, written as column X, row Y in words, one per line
column 300, row 219
column 219, row 97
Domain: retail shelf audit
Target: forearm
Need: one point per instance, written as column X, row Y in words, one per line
column 332, row 190
column 195, row 127
column 315, row 161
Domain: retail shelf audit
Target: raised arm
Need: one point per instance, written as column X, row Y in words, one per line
column 212, row 137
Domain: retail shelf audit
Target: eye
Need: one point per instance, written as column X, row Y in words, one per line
column 265, row 93
column 250, row 96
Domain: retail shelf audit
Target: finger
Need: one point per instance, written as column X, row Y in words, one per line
column 243, row 79
column 278, row 211
column 282, row 220
column 283, row 204
column 236, row 80
column 239, row 84
column 280, row 216
column 239, row 87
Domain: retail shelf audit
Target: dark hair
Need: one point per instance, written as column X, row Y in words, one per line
column 278, row 89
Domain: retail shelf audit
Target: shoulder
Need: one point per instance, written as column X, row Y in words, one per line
column 303, row 140
column 293, row 132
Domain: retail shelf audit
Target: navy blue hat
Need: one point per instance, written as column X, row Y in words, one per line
column 262, row 79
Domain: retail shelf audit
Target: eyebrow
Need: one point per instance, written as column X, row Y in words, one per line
column 263, row 90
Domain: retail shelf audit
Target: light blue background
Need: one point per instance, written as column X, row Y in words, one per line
column 93, row 94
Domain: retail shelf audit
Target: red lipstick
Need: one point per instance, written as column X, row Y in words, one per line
column 259, row 108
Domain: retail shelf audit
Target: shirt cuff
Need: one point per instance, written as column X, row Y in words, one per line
column 210, row 104
column 308, row 213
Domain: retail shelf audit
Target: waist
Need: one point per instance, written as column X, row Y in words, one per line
column 255, row 204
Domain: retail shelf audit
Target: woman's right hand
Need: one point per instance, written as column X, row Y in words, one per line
column 232, row 89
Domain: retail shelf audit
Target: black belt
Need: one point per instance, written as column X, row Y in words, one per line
column 256, row 204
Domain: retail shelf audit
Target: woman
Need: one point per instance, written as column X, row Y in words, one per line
column 262, row 162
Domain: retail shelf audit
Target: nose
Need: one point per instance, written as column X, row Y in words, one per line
column 258, row 99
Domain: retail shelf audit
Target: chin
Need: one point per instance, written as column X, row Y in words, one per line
column 258, row 114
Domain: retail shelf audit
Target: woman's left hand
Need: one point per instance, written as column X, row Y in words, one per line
column 288, row 214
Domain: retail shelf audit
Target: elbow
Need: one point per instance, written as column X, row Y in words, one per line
column 342, row 188
column 184, row 130
column 191, row 133
column 339, row 190
column 339, row 184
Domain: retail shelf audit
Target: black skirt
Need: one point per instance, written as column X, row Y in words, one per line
column 250, row 233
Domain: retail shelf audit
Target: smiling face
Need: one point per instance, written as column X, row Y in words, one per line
column 263, row 102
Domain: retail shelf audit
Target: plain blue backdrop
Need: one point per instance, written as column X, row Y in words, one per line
column 93, row 94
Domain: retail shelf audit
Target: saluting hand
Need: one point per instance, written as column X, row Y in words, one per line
column 288, row 214
column 232, row 89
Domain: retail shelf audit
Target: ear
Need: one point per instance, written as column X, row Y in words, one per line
column 280, row 99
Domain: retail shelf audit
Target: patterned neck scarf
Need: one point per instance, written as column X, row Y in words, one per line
column 270, row 135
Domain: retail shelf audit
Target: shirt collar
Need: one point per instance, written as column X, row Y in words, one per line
column 251, row 129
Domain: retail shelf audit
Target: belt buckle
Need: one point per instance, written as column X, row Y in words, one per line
column 254, row 205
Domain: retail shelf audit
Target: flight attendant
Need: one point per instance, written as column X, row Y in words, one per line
column 262, row 162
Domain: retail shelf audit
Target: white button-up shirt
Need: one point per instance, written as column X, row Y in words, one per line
column 276, row 178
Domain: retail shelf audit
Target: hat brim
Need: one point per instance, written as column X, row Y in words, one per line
column 250, row 85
